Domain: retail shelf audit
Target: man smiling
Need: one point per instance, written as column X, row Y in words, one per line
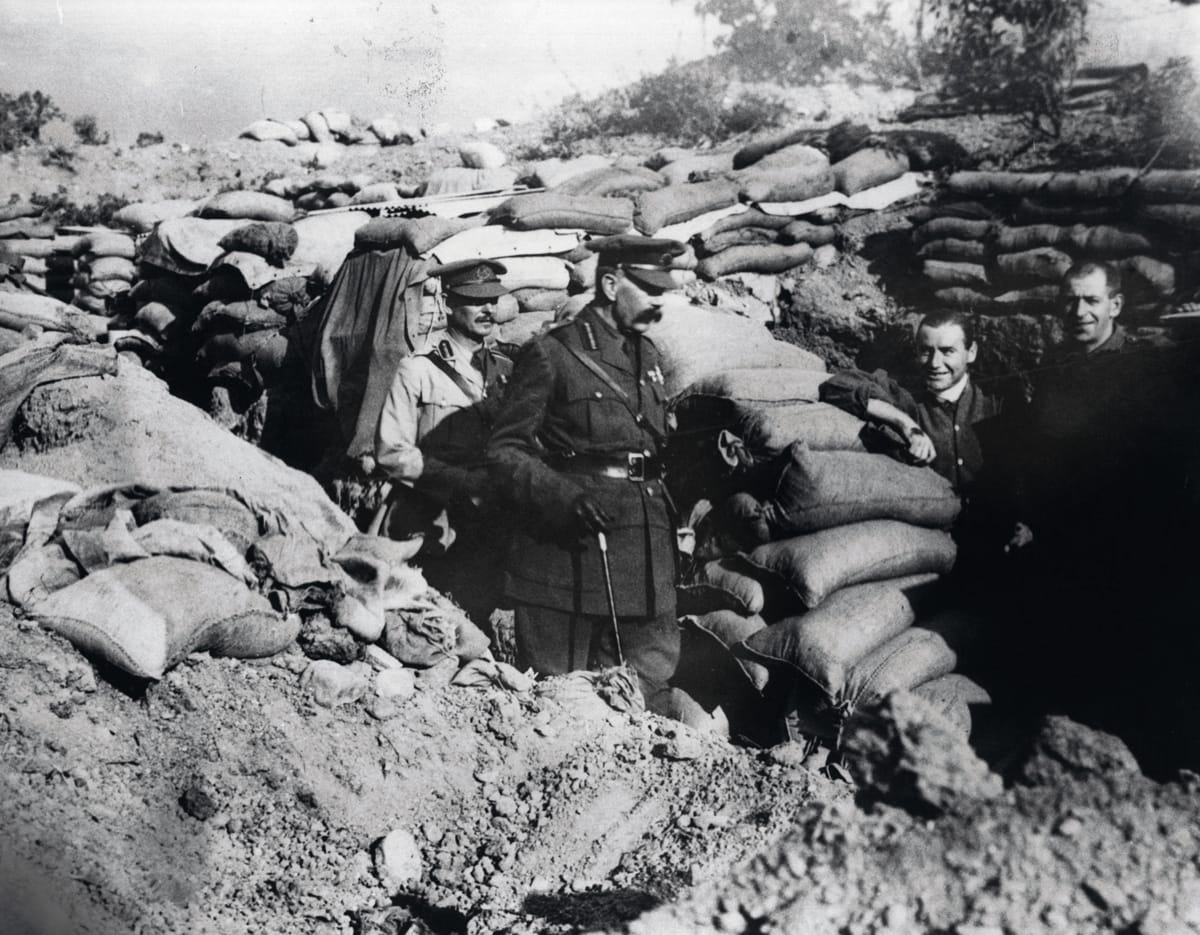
column 938, row 422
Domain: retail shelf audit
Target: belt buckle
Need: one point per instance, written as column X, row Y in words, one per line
column 636, row 466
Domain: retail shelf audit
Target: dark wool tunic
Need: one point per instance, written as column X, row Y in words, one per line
column 556, row 408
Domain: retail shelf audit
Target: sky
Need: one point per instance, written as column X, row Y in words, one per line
column 203, row 69
column 200, row 70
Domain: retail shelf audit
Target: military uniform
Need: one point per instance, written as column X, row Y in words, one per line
column 431, row 442
column 586, row 413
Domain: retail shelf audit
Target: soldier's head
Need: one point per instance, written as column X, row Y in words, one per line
column 472, row 290
column 633, row 274
column 1091, row 299
column 945, row 348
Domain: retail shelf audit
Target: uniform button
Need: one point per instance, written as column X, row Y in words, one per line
column 956, row 428
column 646, row 452
column 599, row 395
column 639, row 418
column 960, row 462
column 641, row 382
column 650, row 490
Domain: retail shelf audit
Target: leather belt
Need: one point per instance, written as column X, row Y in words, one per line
column 629, row 465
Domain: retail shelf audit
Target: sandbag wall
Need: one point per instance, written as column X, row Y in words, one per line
column 998, row 243
column 28, row 252
column 818, row 561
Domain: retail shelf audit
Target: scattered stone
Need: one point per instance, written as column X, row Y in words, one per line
column 395, row 684
column 380, row 659
column 198, row 800
column 686, row 746
column 1069, row 827
column 332, row 684
column 904, row 751
column 321, row 640
column 791, row 753
column 397, row 858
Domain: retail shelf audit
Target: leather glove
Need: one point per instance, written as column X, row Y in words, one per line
column 589, row 515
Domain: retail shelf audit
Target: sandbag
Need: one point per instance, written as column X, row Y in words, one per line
column 754, row 258
column 771, row 428
column 145, row 616
column 480, row 154
column 817, row 564
column 454, row 180
column 1168, row 185
column 1146, row 277
column 239, row 317
column 318, row 127
column 20, row 491
column 795, row 155
column 917, row 655
column 256, row 206
column 611, row 181
column 417, row 235
column 677, row 203
column 868, row 168
column 141, row 217
column 388, row 131
column 273, row 241
column 270, row 130
column 28, row 228
column 535, row 272
column 1032, row 211
column 752, row 218
column 761, row 147
column 761, row 384
column 953, row 695
column 1030, row 267
column 42, row 247
column 963, row 298
column 524, row 328
column 695, row 342
column 729, row 576
column 112, row 267
column 730, row 629
column 550, row 173
column 954, row 250
column 539, row 300
column 552, row 210
column 1099, row 243
column 742, row 236
column 946, row 273
column 1184, row 218
column 203, row 507
column 375, row 193
column 958, row 228
column 815, row 235
column 105, row 243
column 819, row 489
column 697, row 168
column 826, row 643
column 785, row 183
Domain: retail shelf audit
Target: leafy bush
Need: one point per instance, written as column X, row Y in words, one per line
column 1015, row 56
column 686, row 104
column 88, row 131
column 22, row 118
column 96, row 214
column 61, row 156
column 1168, row 114
column 802, row 41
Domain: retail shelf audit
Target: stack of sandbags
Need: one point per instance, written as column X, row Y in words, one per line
column 1002, row 240
column 757, row 242
column 26, row 243
column 827, row 552
column 105, row 270
column 323, row 127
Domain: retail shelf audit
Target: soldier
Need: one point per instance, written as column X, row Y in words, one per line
column 576, row 445
column 432, row 434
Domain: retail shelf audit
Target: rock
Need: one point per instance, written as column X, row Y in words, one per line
column 1064, row 750
column 791, row 753
column 380, row 659
column 198, row 800
column 484, row 125
column 397, row 858
column 332, row 684
column 825, row 256
column 320, row 640
column 905, row 752
column 395, row 684
column 686, row 746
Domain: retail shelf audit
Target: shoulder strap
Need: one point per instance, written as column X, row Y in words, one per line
column 444, row 366
column 595, row 368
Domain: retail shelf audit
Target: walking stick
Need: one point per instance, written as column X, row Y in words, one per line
column 612, row 603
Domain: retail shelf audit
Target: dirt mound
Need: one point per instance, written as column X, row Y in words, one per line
column 224, row 799
column 129, row 429
column 1093, row 846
